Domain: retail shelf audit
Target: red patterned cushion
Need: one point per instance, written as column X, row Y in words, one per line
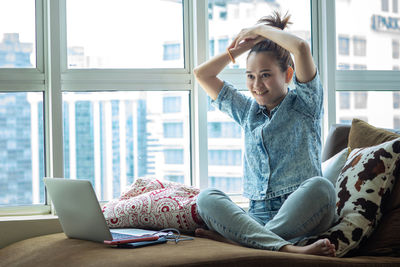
column 150, row 203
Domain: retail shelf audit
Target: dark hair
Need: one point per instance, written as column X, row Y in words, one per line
column 282, row 55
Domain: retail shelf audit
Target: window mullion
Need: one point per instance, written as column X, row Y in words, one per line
column 324, row 30
column 53, row 97
column 199, row 41
column 367, row 80
column 39, row 36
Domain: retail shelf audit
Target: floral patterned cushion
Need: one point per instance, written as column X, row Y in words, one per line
column 363, row 187
column 152, row 204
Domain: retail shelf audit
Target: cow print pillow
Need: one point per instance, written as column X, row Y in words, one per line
column 362, row 188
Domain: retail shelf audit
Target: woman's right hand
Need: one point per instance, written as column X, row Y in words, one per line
column 244, row 45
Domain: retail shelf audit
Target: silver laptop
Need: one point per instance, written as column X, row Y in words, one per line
column 80, row 214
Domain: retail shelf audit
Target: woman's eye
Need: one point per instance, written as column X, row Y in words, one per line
column 250, row 76
column 265, row 75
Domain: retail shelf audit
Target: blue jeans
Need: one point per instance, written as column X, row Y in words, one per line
column 308, row 211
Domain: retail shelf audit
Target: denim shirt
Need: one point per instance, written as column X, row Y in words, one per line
column 283, row 149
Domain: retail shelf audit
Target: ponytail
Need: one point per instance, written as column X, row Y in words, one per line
column 282, row 55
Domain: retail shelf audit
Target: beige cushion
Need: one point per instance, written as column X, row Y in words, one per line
column 363, row 134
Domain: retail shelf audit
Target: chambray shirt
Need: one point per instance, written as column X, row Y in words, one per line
column 283, row 149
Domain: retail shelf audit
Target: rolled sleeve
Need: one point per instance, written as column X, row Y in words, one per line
column 310, row 95
column 232, row 102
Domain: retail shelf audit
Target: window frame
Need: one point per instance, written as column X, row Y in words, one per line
column 13, row 80
column 51, row 49
column 353, row 80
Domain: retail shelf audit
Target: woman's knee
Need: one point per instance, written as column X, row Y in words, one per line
column 321, row 188
column 208, row 197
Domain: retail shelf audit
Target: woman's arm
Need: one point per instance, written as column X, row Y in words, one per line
column 206, row 73
column 304, row 64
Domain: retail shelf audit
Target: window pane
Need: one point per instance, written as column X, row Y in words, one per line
column 344, row 45
column 173, row 129
column 228, row 17
column 122, row 34
column 17, row 34
column 395, row 49
column 225, row 152
column 112, row 138
column 344, row 100
column 381, row 109
column 367, row 34
column 21, row 149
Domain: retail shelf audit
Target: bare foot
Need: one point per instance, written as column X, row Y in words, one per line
column 322, row 247
column 200, row 232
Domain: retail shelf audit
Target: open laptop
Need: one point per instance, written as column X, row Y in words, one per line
column 80, row 214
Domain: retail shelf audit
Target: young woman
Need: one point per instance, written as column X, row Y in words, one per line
column 282, row 144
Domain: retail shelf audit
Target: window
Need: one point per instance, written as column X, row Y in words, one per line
column 380, row 113
column 222, row 45
column 373, row 77
column 396, row 122
column 17, row 34
column 212, row 48
column 360, row 46
column 14, row 53
column 173, row 129
column 396, row 100
column 171, row 104
column 173, row 156
column 113, row 138
column 226, row 184
column 348, row 120
column 385, row 5
column 21, row 148
column 116, row 37
column 372, row 34
column 395, row 6
column 224, row 130
column 174, row 178
column 344, row 45
column 344, row 100
column 395, row 49
column 359, row 67
column 225, row 157
column 360, row 100
column 344, row 66
column 344, row 120
column 223, row 13
column 172, row 51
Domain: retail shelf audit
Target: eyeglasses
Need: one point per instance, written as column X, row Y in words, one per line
column 173, row 234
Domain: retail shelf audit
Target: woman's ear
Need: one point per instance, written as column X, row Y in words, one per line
column 289, row 74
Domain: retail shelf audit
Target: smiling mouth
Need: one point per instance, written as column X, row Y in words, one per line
column 260, row 93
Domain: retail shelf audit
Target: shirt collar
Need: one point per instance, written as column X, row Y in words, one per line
column 272, row 112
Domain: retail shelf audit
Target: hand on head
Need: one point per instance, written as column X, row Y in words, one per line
column 245, row 43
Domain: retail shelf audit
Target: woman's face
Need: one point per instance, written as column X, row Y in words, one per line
column 265, row 80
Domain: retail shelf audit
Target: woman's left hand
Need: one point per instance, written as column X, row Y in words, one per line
column 245, row 34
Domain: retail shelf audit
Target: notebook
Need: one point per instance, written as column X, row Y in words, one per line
column 80, row 215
